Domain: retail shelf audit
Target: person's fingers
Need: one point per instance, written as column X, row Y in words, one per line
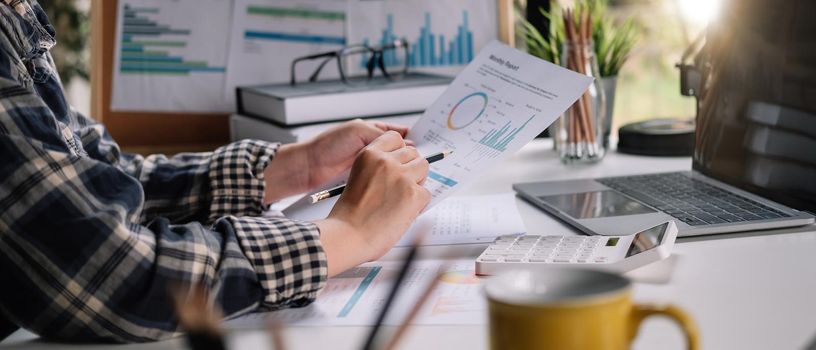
column 367, row 131
column 401, row 129
column 406, row 154
column 417, row 169
column 410, row 143
column 387, row 142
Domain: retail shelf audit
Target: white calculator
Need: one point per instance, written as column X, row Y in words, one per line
column 611, row 253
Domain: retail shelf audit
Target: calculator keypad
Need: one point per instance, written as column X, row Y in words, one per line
column 545, row 249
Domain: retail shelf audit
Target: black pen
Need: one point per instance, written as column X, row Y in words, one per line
column 336, row 191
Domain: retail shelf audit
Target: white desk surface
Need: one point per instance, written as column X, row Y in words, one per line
column 746, row 291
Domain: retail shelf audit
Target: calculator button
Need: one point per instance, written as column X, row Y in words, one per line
column 574, row 239
column 513, row 259
column 561, row 260
column 513, row 256
column 519, row 248
column 600, row 260
column 535, row 259
column 489, row 258
column 550, row 239
column 582, row 260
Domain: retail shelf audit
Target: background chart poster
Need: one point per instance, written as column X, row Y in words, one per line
column 267, row 35
column 445, row 35
column 169, row 60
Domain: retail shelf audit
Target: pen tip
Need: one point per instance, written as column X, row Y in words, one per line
column 447, row 153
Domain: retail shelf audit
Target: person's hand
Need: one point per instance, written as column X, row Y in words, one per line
column 333, row 151
column 383, row 197
column 302, row 167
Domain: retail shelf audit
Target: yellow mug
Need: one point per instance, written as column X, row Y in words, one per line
column 564, row 309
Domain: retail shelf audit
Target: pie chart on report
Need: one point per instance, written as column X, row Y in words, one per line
column 467, row 110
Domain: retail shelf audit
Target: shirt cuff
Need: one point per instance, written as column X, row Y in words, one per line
column 237, row 178
column 287, row 257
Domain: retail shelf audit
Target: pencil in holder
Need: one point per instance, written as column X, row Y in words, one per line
column 578, row 134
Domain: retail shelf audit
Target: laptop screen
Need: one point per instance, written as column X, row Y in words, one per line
column 756, row 123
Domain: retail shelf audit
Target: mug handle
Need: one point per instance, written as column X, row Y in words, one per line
column 686, row 323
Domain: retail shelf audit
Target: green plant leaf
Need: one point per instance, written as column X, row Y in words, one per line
column 613, row 41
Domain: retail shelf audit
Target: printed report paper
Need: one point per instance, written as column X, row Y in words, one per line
column 467, row 219
column 457, row 220
column 499, row 102
column 356, row 297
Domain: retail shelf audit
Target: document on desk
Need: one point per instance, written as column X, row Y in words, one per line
column 467, row 219
column 355, row 298
column 457, row 220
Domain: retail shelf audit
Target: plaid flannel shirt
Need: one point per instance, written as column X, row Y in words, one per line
column 90, row 237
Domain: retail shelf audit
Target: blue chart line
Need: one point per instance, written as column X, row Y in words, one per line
column 359, row 292
column 498, row 139
column 310, row 39
column 143, row 50
column 441, row 179
column 429, row 49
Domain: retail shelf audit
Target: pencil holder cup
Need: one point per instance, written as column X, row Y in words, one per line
column 578, row 134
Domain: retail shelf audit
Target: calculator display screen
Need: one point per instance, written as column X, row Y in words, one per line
column 646, row 240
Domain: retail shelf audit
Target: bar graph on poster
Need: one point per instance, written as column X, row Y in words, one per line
column 502, row 100
column 444, row 35
column 166, row 60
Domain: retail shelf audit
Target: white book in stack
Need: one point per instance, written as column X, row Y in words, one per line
column 332, row 100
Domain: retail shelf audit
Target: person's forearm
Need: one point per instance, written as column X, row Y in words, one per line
column 287, row 174
column 343, row 246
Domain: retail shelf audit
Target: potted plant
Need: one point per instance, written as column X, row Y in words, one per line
column 613, row 41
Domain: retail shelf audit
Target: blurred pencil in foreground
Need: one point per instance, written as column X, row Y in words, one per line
column 426, row 294
column 276, row 332
column 198, row 317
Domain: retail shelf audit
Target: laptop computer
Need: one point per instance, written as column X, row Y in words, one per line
column 754, row 161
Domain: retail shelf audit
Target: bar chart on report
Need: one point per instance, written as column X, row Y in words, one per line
column 443, row 35
column 479, row 123
column 477, row 117
column 166, row 60
column 267, row 35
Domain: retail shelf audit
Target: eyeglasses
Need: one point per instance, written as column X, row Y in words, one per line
column 391, row 59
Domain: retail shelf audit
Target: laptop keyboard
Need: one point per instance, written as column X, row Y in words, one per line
column 691, row 201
